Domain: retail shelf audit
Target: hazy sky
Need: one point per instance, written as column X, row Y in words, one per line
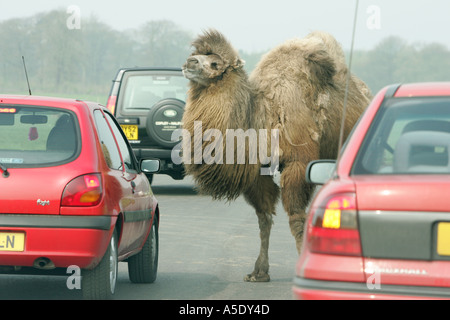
column 255, row 25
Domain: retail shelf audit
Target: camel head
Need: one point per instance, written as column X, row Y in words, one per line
column 213, row 56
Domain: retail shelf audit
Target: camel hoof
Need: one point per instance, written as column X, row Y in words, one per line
column 257, row 277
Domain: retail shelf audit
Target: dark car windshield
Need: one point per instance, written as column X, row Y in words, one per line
column 142, row 90
column 36, row 136
column 407, row 136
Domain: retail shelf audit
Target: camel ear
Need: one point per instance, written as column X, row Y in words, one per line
column 322, row 67
column 239, row 63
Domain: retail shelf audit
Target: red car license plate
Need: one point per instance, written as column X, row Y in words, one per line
column 12, row 241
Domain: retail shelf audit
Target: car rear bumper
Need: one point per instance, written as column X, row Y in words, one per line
column 63, row 240
column 309, row 289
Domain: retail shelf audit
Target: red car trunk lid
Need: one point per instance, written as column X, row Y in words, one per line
column 403, row 193
column 399, row 221
column 32, row 191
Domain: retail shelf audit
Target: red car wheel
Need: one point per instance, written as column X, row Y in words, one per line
column 100, row 282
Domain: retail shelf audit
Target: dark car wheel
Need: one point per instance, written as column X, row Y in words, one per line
column 143, row 267
column 100, row 282
column 163, row 119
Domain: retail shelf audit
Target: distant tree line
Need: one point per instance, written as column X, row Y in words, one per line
column 74, row 62
column 393, row 60
column 82, row 62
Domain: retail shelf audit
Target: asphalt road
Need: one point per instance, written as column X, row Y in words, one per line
column 206, row 248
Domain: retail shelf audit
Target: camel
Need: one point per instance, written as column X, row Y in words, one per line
column 297, row 91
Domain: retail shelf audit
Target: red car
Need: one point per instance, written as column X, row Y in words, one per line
column 380, row 227
column 72, row 195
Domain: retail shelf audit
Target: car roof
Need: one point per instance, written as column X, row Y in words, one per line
column 122, row 71
column 150, row 69
column 46, row 101
column 425, row 89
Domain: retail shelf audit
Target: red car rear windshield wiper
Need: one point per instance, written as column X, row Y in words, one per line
column 5, row 173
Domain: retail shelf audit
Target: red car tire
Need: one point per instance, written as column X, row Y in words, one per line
column 100, row 282
column 143, row 267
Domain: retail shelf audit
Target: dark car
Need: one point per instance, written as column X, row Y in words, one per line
column 73, row 195
column 380, row 227
column 149, row 104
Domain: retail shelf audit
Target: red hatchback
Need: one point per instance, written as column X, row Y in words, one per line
column 380, row 227
column 72, row 196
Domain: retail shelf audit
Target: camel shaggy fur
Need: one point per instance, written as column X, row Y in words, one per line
column 298, row 89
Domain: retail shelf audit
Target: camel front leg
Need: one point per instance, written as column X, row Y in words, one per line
column 263, row 196
column 261, row 269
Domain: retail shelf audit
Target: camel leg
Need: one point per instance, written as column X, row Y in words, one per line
column 295, row 195
column 263, row 195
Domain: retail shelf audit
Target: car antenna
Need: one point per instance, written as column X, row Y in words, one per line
column 26, row 74
column 344, row 110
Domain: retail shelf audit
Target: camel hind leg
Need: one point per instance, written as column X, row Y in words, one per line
column 263, row 195
column 295, row 194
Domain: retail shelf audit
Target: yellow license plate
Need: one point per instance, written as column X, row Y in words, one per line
column 443, row 239
column 12, row 241
column 131, row 131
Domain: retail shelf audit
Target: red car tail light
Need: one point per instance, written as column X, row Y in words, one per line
column 334, row 227
column 83, row 191
column 111, row 103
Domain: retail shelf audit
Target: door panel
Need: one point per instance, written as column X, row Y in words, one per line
column 136, row 203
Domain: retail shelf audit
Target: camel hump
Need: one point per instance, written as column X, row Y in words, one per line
column 296, row 59
column 321, row 65
column 333, row 48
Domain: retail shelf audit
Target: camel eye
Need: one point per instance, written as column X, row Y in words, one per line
column 214, row 65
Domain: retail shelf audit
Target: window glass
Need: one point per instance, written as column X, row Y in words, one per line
column 37, row 136
column 109, row 147
column 144, row 90
column 408, row 136
column 123, row 146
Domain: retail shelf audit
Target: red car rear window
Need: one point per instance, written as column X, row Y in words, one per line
column 37, row 136
column 407, row 136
